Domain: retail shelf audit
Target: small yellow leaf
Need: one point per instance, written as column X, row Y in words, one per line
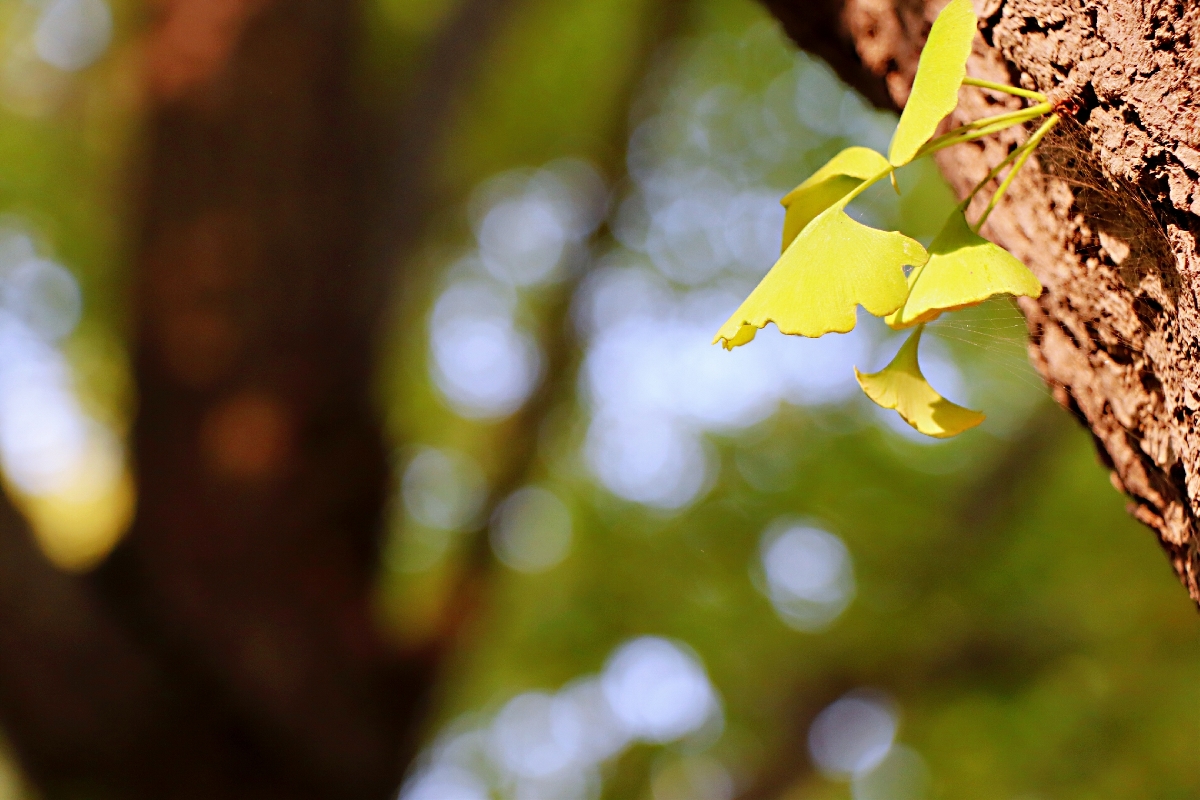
column 832, row 267
column 963, row 269
column 900, row 385
column 940, row 72
column 844, row 173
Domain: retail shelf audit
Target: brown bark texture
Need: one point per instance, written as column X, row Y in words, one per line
column 1109, row 220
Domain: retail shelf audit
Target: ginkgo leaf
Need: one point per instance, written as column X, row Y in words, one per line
column 833, row 266
column 940, row 72
column 900, row 385
column 963, row 269
column 844, row 173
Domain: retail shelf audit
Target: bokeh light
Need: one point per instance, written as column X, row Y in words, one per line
column 603, row 734
column 853, row 734
column 443, row 489
column 531, row 530
column 48, row 47
column 550, row 746
column 658, row 690
column 530, row 223
column 445, row 783
column 531, row 227
column 484, row 365
column 73, row 34
column 67, row 466
column 809, row 574
column 656, row 384
column 537, row 735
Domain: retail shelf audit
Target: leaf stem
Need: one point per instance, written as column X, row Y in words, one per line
column 966, row 133
column 868, row 183
column 1015, row 154
column 985, row 127
column 1028, row 148
column 1021, row 114
column 1004, row 89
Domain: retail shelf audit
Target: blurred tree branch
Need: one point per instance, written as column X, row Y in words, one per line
column 68, row 673
column 520, row 435
column 410, row 147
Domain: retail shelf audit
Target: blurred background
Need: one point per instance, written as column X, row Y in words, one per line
column 670, row 572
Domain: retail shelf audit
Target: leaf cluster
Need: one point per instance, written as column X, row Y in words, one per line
column 831, row 264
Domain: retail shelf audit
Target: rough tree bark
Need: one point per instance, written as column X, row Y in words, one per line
column 1109, row 223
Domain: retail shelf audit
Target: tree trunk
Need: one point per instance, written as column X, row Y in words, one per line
column 261, row 469
column 1109, row 223
column 228, row 647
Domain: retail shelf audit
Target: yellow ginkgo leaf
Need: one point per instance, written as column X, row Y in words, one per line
column 832, row 267
column 900, row 385
column 963, row 269
column 844, row 173
column 940, row 72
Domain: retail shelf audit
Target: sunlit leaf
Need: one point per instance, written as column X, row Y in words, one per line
column 833, row 266
column 838, row 178
column 900, row 385
column 940, row 72
column 963, row 269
